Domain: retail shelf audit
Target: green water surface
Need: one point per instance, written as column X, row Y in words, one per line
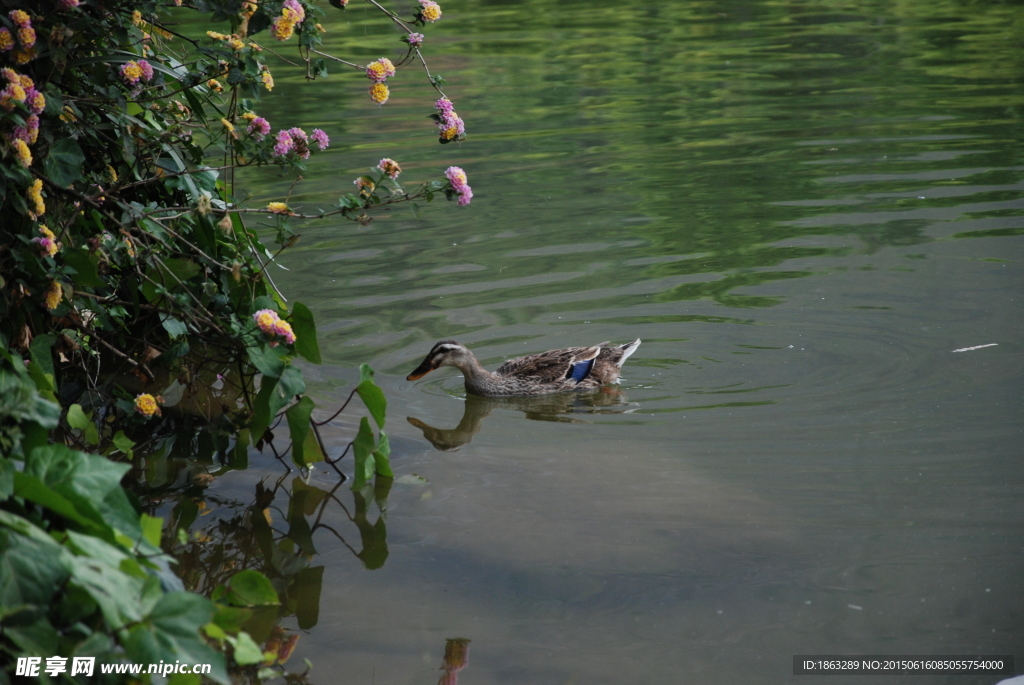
column 802, row 208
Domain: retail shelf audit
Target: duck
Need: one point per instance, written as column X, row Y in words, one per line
column 570, row 368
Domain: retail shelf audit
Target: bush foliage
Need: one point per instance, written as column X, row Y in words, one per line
column 136, row 312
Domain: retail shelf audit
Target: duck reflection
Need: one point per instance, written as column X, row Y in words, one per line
column 554, row 407
column 456, row 658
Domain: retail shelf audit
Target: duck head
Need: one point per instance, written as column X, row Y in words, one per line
column 444, row 353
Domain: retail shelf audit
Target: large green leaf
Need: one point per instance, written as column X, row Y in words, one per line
column 305, row 333
column 306, row 588
column 86, row 275
column 269, row 360
column 30, row 570
column 289, row 385
column 299, row 427
column 261, row 415
column 381, row 456
column 63, row 164
column 371, row 395
column 251, row 588
column 91, row 482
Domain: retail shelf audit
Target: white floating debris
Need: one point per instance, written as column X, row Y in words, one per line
column 976, row 347
column 854, row 606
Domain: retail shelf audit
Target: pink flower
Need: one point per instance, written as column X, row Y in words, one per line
column 320, row 138
column 131, row 72
column 260, row 127
column 460, row 184
column 284, row 329
column 294, row 6
column 457, row 177
column 35, row 100
column 69, row 4
column 389, row 167
column 147, row 70
column 414, row 39
column 284, row 145
column 266, row 319
column 444, row 105
column 298, row 134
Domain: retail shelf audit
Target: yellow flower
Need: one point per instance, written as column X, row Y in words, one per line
column 214, row 85
column 320, row 28
column 449, row 133
column 278, row 208
column 35, row 199
column 21, row 149
column 430, row 11
column 248, row 8
column 235, row 43
column 147, row 405
column 216, row 36
column 19, row 17
column 54, row 295
column 23, row 56
column 25, row 82
column 283, row 26
column 68, row 115
column 228, row 125
column 6, row 41
column 111, row 174
column 268, row 80
column 249, row 116
column 129, row 247
column 379, row 93
column 137, row 17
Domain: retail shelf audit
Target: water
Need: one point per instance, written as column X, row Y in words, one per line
column 803, row 209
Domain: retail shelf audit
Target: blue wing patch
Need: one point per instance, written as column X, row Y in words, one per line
column 581, row 370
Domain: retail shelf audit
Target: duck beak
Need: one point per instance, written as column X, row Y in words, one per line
column 421, row 371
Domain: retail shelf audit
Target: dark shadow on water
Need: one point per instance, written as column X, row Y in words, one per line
column 556, row 407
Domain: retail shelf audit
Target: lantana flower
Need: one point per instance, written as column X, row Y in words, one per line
column 147, row 405
column 277, row 208
column 54, row 295
column 319, row 137
column 380, row 70
column 460, row 184
column 47, row 241
column 414, row 40
column 379, row 93
column 389, row 167
column 429, row 11
column 272, row 325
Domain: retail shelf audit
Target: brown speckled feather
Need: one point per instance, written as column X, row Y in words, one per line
column 547, row 367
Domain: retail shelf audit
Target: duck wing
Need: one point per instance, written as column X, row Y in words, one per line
column 553, row 366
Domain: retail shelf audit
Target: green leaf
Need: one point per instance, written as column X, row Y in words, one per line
column 174, row 327
column 246, row 651
column 305, row 333
column 6, row 478
column 152, row 527
column 362, row 448
column 41, row 351
column 86, row 275
column 269, row 360
column 91, row 482
column 373, row 398
column 261, row 414
column 123, row 443
column 31, row 488
column 298, row 425
column 63, row 165
column 289, row 385
column 251, row 588
column 83, row 422
column 381, row 456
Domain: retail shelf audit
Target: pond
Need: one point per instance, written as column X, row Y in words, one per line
column 804, row 210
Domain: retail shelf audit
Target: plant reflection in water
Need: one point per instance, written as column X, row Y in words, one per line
column 456, row 658
column 274, row 534
column 554, row 407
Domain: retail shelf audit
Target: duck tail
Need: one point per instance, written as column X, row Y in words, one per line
column 627, row 350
